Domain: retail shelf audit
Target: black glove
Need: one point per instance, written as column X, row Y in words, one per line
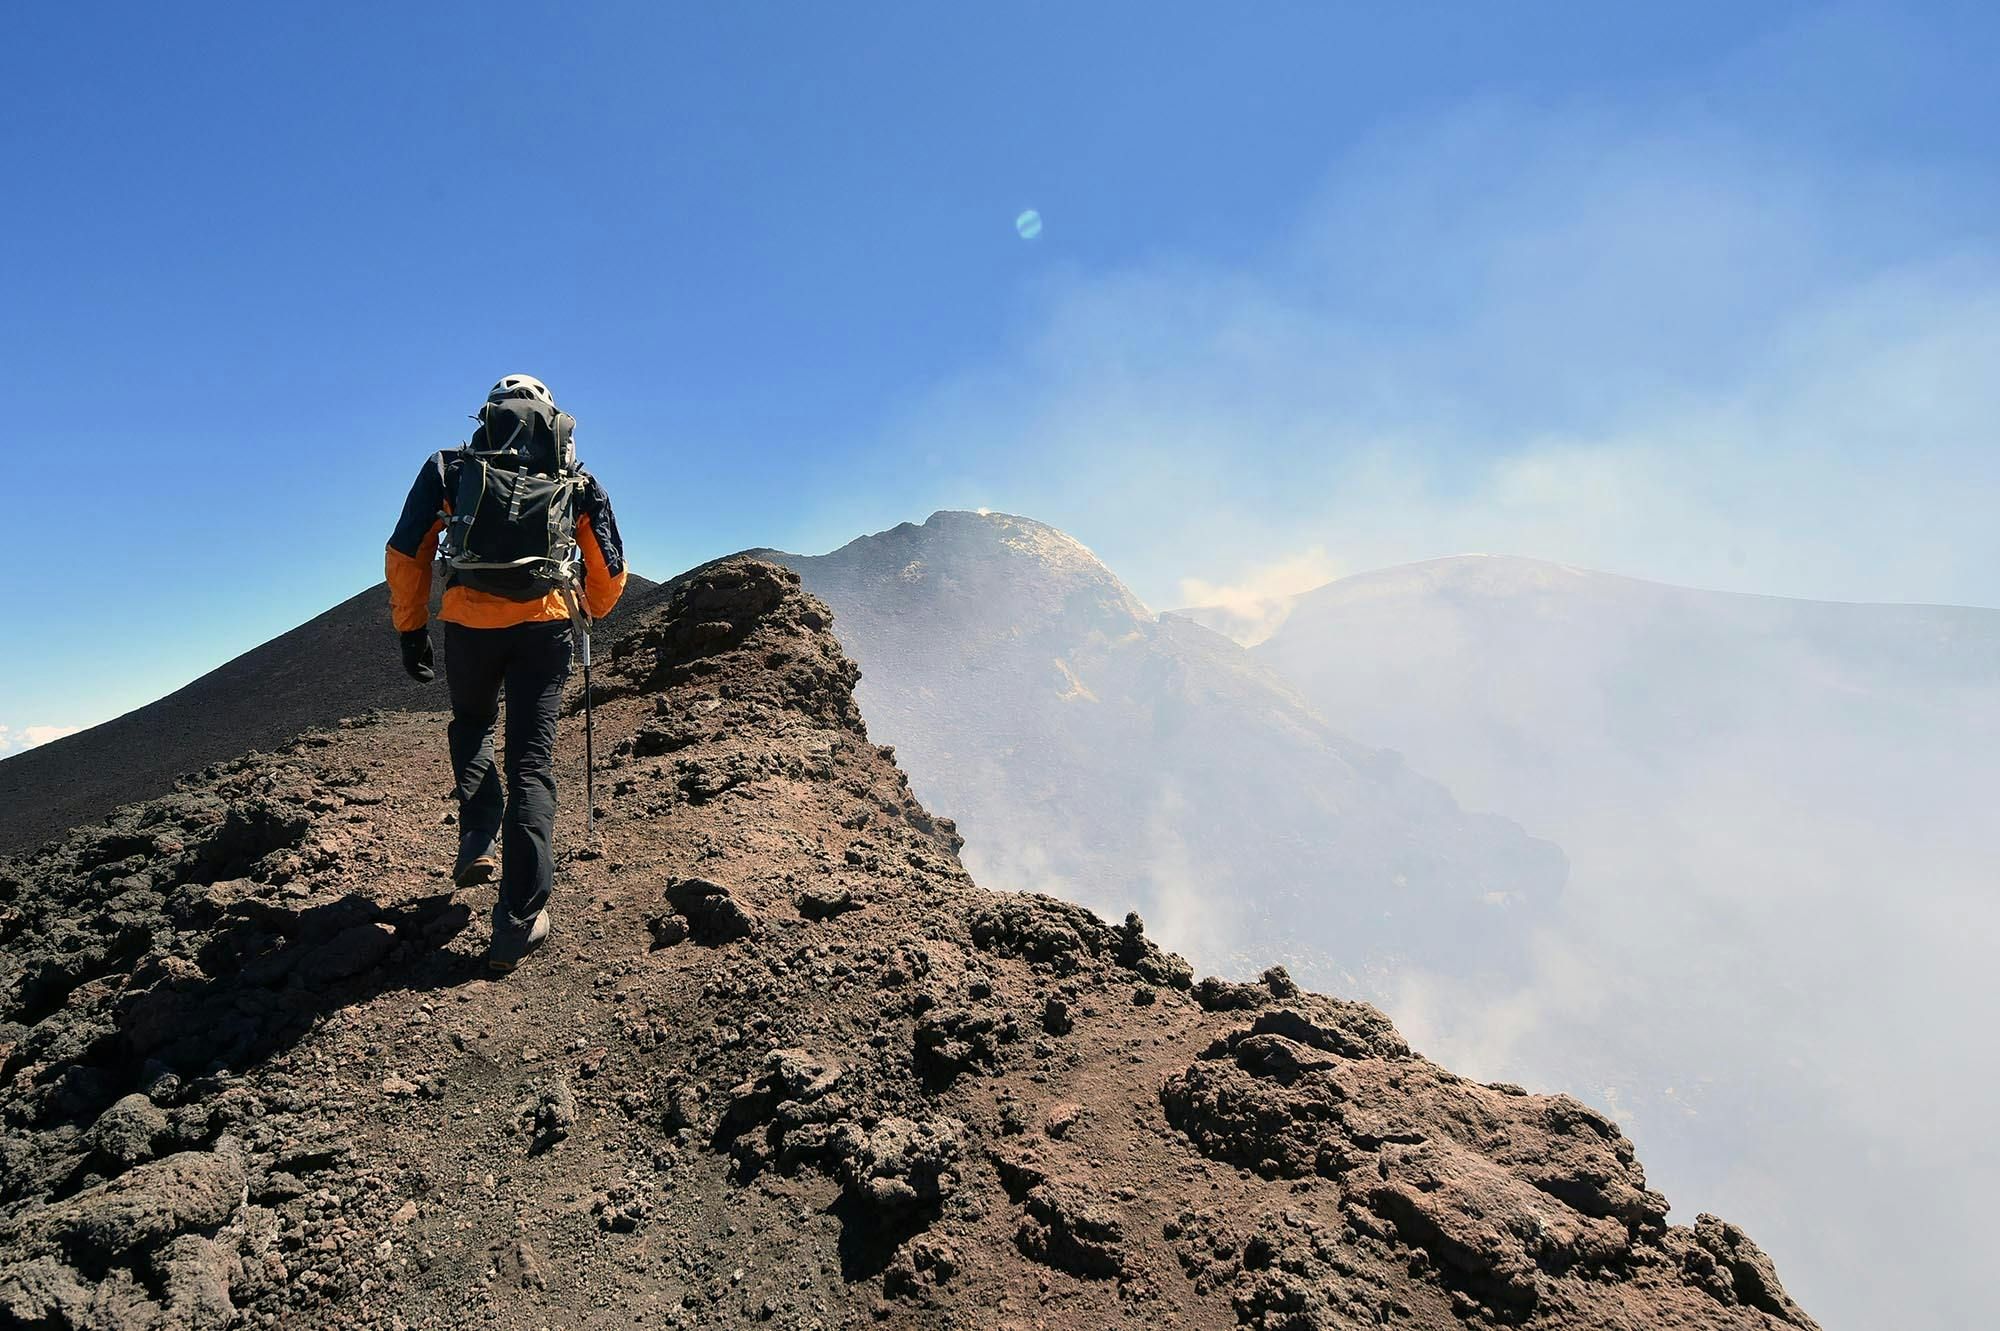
column 417, row 655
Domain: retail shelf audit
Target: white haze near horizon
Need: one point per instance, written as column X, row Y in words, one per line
column 1665, row 352
column 19, row 739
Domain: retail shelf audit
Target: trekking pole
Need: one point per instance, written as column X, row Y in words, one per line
column 589, row 755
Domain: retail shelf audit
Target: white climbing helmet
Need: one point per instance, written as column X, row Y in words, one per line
column 521, row 385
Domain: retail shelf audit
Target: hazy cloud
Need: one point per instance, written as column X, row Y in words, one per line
column 22, row 738
column 1253, row 606
column 1670, row 355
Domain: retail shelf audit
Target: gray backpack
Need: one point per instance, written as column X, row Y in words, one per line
column 513, row 519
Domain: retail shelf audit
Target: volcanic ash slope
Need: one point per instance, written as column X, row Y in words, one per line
column 782, row 1063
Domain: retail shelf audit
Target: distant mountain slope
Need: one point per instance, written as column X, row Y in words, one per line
column 1780, row 817
column 337, row 664
column 783, row 1064
column 1089, row 749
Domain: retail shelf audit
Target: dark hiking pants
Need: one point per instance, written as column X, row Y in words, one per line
column 531, row 661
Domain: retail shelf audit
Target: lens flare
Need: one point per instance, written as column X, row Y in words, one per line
column 1029, row 224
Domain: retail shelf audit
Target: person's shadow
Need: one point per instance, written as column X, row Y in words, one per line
column 267, row 973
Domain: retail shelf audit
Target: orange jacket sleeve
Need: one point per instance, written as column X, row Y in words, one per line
column 412, row 546
column 603, row 551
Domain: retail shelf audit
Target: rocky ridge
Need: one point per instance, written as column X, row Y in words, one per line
column 783, row 1063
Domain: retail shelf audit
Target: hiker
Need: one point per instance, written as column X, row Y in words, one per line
column 525, row 532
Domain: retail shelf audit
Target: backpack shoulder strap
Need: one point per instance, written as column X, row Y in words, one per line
column 565, row 442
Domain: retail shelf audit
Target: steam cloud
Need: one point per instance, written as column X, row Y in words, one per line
column 1673, row 354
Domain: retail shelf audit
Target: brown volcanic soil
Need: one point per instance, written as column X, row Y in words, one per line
column 782, row 1063
column 337, row 664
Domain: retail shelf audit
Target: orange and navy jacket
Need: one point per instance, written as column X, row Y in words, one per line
column 413, row 546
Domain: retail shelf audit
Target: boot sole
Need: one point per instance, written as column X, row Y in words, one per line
column 475, row 873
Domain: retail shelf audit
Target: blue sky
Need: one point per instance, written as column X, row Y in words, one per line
column 1701, row 292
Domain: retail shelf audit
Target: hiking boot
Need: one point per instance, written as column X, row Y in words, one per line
column 472, row 870
column 513, row 942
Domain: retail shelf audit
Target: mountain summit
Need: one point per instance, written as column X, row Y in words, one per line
column 1094, row 750
column 783, row 1063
